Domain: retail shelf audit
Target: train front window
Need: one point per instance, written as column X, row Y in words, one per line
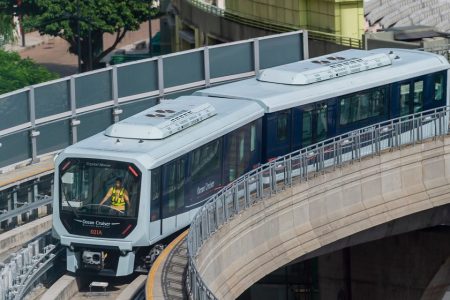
column 99, row 187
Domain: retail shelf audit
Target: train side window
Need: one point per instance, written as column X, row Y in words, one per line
column 155, row 194
column 322, row 122
column 241, row 146
column 418, row 96
column 253, row 138
column 438, row 87
column 205, row 160
column 307, row 128
column 174, row 186
column 282, row 126
column 362, row 106
column 404, row 99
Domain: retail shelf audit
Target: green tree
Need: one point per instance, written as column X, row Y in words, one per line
column 96, row 17
column 6, row 29
column 16, row 73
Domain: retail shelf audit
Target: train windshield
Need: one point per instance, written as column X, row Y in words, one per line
column 99, row 187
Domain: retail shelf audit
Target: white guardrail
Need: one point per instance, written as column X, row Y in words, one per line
column 299, row 166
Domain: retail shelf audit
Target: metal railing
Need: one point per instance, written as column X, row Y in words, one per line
column 336, row 39
column 300, row 166
column 209, row 8
column 49, row 116
column 27, row 266
column 441, row 50
column 275, row 26
column 20, row 202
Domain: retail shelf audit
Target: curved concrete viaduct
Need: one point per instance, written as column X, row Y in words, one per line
column 323, row 210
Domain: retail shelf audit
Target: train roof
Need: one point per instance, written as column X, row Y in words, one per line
column 145, row 137
column 329, row 76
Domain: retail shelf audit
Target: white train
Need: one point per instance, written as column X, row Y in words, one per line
column 121, row 191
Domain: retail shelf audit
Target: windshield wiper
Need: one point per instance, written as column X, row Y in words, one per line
column 68, row 202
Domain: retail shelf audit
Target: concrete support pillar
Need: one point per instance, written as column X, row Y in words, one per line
column 438, row 286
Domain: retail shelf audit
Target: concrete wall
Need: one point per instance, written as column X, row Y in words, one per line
column 209, row 29
column 211, row 26
column 345, row 18
column 24, row 233
column 398, row 267
column 323, row 210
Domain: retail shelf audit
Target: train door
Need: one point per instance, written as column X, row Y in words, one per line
column 241, row 151
column 278, row 134
column 155, row 203
column 314, row 123
column 435, row 90
column 173, row 194
column 411, row 96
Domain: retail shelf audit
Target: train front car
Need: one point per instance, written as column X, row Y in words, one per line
column 122, row 191
column 97, row 203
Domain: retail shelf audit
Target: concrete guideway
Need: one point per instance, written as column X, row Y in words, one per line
column 171, row 260
column 67, row 287
column 322, row 210
column 23, row 234
column 26, row 173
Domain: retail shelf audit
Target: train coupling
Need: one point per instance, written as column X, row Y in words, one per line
column 94, row 259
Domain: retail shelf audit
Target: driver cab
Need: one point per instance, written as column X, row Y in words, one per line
column 86, row 183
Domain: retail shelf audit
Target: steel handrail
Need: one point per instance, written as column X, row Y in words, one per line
column 299, row 166
column 39, row 268
column 46, row 200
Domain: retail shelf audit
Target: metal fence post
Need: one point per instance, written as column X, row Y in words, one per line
column 73, row 107
column 14, row 203
column 30, row 214
column 305, row 44
column 115, row 93
column 161, row 77
column 256, row 55
column 36, row 198
column 236, row 199
column 33, row 133
column 206, row 66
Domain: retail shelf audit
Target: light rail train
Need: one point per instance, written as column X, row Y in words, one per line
column 163, row 163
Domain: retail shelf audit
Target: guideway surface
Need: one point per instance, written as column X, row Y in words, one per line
column 167, row 276
column 26, row 173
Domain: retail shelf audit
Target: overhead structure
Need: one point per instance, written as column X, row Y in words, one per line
column 400, row 13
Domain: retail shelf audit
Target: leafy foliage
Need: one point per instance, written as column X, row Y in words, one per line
column 6, row 29
column 16, row 73
column 59, row 18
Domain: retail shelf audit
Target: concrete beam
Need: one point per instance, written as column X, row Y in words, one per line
column 24, row 233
